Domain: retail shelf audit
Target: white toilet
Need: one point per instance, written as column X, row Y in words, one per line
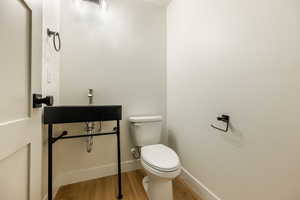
column 160, row 162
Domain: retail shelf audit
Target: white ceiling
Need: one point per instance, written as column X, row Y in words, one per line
column 159, row 2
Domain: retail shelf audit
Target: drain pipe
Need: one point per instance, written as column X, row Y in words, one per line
column 90, row 126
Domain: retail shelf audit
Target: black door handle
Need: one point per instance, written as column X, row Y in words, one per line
column 38, row 101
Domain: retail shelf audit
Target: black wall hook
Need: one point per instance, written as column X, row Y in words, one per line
column 223, row 118
column 55, row 35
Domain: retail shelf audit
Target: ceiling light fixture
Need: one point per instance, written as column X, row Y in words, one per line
column 103, row 5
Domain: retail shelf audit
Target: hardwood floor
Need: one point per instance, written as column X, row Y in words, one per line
column 106, row 189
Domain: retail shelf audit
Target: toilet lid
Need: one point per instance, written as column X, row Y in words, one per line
column 160, row 157
column 141, row 119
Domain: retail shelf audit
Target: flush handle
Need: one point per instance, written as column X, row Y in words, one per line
column 38, row 101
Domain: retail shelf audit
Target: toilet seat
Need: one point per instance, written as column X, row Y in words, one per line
column 160, row 157
column 160, row 174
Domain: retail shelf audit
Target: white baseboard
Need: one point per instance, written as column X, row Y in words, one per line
column 92, row 173
column 96, row 172
column 199, row 188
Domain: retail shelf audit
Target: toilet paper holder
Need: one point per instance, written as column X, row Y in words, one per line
column 225, row 119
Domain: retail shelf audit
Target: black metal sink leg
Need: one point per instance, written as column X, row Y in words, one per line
column 120, row 195
column 50, row 159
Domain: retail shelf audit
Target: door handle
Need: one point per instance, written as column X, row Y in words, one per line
column 38, row 101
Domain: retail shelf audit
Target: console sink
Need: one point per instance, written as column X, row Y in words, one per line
column 73, row 114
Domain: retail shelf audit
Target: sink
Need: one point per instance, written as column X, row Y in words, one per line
column 74, row 114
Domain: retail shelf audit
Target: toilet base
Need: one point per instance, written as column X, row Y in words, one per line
column 145, row 183
column 158, row 188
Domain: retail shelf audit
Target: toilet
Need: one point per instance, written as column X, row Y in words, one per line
column 160, row 162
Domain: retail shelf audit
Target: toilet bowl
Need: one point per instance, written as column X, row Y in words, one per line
column 160, row 162
column 161, row 165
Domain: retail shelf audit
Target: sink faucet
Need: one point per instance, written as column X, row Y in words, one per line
column 90, row 96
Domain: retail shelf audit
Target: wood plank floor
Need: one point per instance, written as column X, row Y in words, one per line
column 106, row 189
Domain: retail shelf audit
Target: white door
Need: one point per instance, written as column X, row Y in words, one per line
column 20, row 76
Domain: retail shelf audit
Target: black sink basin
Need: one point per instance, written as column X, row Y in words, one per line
column 73, row 114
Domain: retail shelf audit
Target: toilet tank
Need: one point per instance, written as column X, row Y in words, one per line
column 145, row 130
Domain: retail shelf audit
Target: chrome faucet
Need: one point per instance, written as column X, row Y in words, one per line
column 91, row 96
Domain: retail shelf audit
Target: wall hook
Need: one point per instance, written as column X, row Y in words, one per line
column 223, row 118
column 54, row 35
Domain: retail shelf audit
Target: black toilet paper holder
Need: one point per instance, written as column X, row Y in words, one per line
column 225, row 119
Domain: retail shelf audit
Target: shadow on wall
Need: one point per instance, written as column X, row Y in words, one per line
column 172, row 142
column 234, row 136
column 127, row 125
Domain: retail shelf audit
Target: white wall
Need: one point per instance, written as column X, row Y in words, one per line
column 122, row 56
column 51, row 58
column 51, row 69
column 240, row 58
